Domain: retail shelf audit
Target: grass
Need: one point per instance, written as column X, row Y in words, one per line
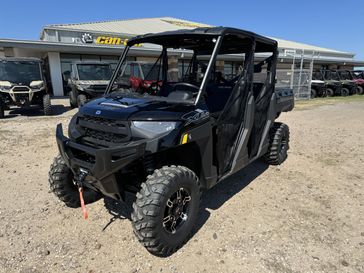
column 308, row 104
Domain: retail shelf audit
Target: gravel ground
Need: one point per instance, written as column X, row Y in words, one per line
column 303, row 216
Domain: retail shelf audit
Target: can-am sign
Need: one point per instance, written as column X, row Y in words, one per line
column 87, row 38
column 108, row 40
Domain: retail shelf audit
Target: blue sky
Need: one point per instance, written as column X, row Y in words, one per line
column 333, row 24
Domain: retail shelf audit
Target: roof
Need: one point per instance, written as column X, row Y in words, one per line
column 133, row 27
column 200, row 38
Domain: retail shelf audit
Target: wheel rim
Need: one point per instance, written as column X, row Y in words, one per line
column 176, row 211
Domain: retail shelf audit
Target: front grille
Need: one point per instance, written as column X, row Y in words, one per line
column 22, row 97
column 21, row 89
column 103, row 132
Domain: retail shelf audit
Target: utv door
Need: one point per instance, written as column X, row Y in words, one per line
column 230, row 123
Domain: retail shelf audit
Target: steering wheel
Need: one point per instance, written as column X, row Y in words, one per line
column 186, row 84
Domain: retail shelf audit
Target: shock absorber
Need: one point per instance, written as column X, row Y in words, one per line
column 149, row 164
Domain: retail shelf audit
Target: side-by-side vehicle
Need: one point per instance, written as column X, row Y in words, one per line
column 167, row 144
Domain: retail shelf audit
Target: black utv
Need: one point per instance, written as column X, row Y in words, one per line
column 168, row 146
column 347, row 81
column 23, row 84
column 88, row 80
column 334, row 86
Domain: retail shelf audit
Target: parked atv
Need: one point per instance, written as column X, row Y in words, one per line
column 140, row 75
column 358, row 78
column 88, row 81
column 22, row 84
column 333, row 85
column 318, row 86
column 347, row 81
column 168, row 146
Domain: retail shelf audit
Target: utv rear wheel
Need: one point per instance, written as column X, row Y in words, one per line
column 345, row 92
column 330, row 92
column 61, row 184
column 278, row 144
column 81, row 100
column 73, row 99
column 360, row 90
column 47, row 106
column 166, row 209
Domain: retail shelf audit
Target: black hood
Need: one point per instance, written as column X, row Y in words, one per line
column 135, row 108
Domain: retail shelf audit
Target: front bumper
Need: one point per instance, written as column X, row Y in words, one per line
column 101, row 164
column 23, row 98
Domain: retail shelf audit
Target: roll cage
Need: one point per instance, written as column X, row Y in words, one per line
column 211, row 42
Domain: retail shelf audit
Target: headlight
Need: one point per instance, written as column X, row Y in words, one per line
column 153, row 128
column 4, row 87
column 37, row 84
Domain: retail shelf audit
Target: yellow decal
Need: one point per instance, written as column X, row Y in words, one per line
column 107, row 40
column 184, row 138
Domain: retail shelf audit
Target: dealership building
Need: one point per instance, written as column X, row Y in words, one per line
column 60, row 45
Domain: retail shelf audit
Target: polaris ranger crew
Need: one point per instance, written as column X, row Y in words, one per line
column 22, row 84
column 333, row 85
column 347, row 81
column 88, row 81
column 168, row 146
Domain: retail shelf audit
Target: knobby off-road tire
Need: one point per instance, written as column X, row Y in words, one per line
column 81, row 100
column 61, row 184
column 278, row 144
column 330, row 92
column 345, row 92
column 360, row 90
column 156, row 207
column 47, row 106
column 73, row 99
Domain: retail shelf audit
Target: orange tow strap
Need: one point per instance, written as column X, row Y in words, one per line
column 83, row 206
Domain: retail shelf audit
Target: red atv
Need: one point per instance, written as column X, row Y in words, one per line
column 142, row 76
column 358, row 78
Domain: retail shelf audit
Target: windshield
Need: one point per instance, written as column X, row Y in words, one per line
column 332, row 75
column 161, row 76
column 345, row 75
column 358, row 74
column 94, row 72
column 20, row 71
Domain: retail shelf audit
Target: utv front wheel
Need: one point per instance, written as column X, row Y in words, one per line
column 61, row 184
column 330, row 92
column 81, row 100
column 278, row 144
column 47, row 106
column 73, row 99
column 166, row 209
column 345, row 92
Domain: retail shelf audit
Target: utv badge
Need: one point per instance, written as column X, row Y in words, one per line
column 98, row 112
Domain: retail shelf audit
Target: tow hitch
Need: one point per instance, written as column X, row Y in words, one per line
column 79, row 182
